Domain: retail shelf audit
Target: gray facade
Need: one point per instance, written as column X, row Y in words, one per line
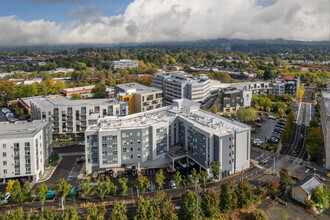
column 71, row 116
column 142, row 137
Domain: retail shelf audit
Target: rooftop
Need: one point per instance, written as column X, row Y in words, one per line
column 309, row 183
column 65, row 102
column 137, row 88
column 184, row 108
column 124, row 60
column 287, row 77
column 326, row 101
column 83, row 88
column 181, row 77
column 21, row 129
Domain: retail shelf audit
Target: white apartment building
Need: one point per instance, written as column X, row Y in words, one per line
column 71, row 116
column 181, row 131
column 179, row 85
column 325, row 122
column 25, row 148
column 124, row 64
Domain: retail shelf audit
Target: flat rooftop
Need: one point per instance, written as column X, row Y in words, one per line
column 137, row 88
column 21, row 129
column 326, row 101
column 182, row 108
column 181, row 77
column 83, row 88
column 65, row 102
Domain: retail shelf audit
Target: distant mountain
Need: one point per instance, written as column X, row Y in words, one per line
column 221, row 42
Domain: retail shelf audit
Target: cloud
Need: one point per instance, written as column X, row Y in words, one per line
column 172, row 20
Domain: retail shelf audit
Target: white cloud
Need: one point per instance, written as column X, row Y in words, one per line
column 184, row 20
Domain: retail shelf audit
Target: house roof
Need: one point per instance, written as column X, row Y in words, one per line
column 308, row 184
column 287, row 77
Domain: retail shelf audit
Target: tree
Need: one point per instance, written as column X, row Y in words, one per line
column 272, row 187
column 143, row 209
column 76, row 97
column 189, row 206
column 260, row 191
column 215, row 168
column 313, row 124
column 160, row 178
column 244, row 195
column 163, row 207
column 10, row 185
column 99, row 91
column 284, row 178
column 50, row 66
column 193, row 177
column 63, row 189
column 41, row 190
column 203, row 177
column 177, row 179
column 300, row 93
column 321, row 197
column 104, row 187
column 210, row 204
column 258, row 214
column 95, row 212
column 247, row 114
column 228, row 198
column 26, row 189
column 70, row 213
column 310, row 204
column 314, row 143
column 214, row 109
column 281, row 113
column 142, row 183
column 17, row 193
column 123, row 187
column 85, row 186
column 48, row 214
column 118, row 211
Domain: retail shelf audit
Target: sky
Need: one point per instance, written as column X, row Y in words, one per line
column 60, row 22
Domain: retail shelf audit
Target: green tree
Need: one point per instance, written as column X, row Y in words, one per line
column 272, row 187
column 228, row 198
column 50, row 66
column 210, row 204
column 70, row 213
column 99, row 91
column 313, row 124
column 244, row 195
column 17, row 193
column 314, row 143
column 41, row 190
column 26, row 189
column 63, row 189
column 143, row 209
column 85, row 186
column 281, row 113
column 163, row 207
column 258, row 214
column 177, row 179
column 247, row 114
column 95, row 212
column 215, row 168
column 260, row 191
column 119, row 211
column 193, row 177
column 142, row 183
column 214, row 109
column 76, row 97
column 284, row 178
column 123, row 187
column 48, row 214
column 160, row 178
column 203, row 175
column 321, row 197
column 310, row 204
column 102, row 188
column 189, row 205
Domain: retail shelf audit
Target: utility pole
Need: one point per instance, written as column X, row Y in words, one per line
column 196, row 186
column 274, row 166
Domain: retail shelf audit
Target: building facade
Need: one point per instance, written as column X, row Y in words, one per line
column 325, row 122
column 25, row 148
column 179, row 85
column 124, row 64
column 157, row 134
column 139, row 97
column 71, row 116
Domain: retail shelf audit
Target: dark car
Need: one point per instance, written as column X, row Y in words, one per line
column 133, row 170
column 109, row 173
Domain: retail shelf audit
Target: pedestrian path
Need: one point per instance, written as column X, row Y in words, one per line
column 49, row 171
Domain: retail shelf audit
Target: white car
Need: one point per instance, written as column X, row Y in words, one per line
column 5, row 200
column 172, row 184
column 82, row 144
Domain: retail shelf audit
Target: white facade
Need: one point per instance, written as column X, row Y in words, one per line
column 124, row 64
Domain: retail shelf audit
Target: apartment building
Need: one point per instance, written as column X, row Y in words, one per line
column 139, row 97
column 124, row 64
column 71, row 116
column 233, row 99
column 25, row 148
column 159, row 134
column 325, row 122
column 178, row 85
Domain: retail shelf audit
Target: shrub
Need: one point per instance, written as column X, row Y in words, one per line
column 258, row 214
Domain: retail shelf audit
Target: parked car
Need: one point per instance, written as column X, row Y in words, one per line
column 72, row 191
column 258, row 125
column 271, row 117
column 82, row 144
column 320, row 177
column 109, row 173
column 5, row 198
column 50, row 195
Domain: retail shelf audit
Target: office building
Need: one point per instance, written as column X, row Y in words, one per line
column 325, row 123
column 124, row 64
column 179, row 85
column 181, row 131
column 25, row 148
column 71, row 116
column 139, row 97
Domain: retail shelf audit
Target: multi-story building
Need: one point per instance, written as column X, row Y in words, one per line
column 25, row 148
column 178, row 85
column 176, row 132
column 139, row 97
column 71, row 116
column 235, row 99
column 287, row 84
column 325, row 122
column 124, row 64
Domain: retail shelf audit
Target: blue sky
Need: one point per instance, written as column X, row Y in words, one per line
column 57, row 10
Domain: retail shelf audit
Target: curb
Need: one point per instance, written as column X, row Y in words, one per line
column 52, row 171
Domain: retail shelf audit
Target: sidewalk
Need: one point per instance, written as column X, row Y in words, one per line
column 49, row 171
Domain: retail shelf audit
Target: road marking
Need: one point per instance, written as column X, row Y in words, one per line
column 259, row 157
column 307, row 171
column 298, row 112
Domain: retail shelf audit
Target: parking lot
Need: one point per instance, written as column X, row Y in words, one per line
column 269, row 128
column 6, row 114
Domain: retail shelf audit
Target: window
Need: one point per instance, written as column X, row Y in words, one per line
column 104, row 145
column 131, row 141
column 124, row 157
column 131, row 156
column 130, row 134
column 4, row 146
column 4, row 154
column 27, row 161
column 123, row 134
column 27, row 144
column 131, row 149
column 138, row 134
column 125, row 150
column 28, row 169
column 229, row 138
column 4, row 163
column 138, row 141
column 5, row 171
column 16, row 145
column 139, row 156
column 115, row 152
column 104, row 137
column 115, row 159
